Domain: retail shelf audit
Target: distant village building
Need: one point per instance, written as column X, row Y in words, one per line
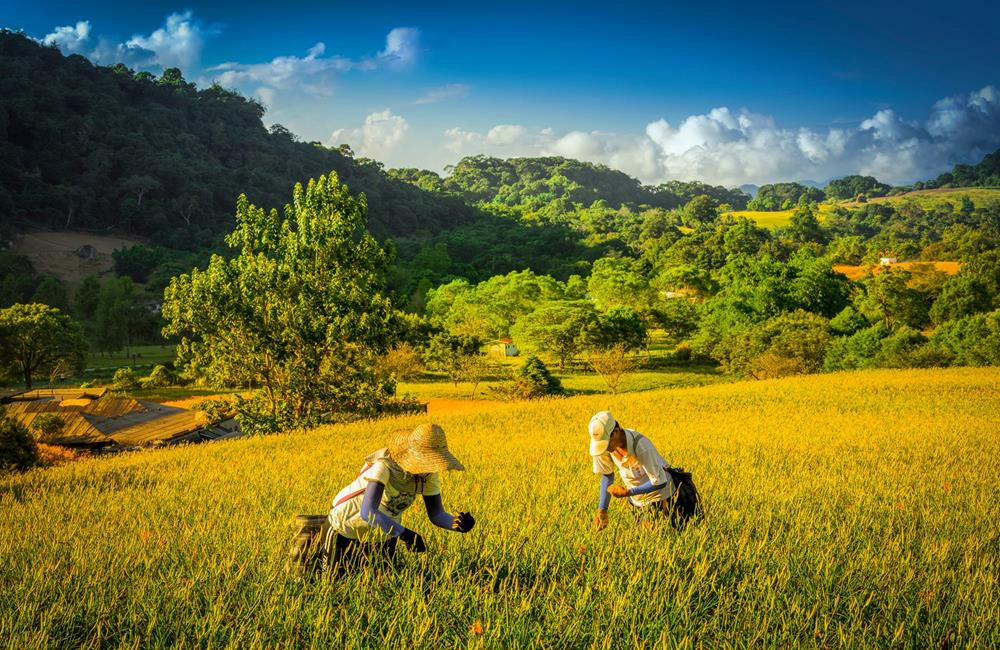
column 886, row 261
column 504, row 348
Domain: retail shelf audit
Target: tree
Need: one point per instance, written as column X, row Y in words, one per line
column 298, row 311
column 612, row 364
column 678, row 317
column 113, row 315
column 619, row 281
column 87, row 297
column 47, row 425
column 699, row 211
column 791, row 343
column 804, row 227
column 445, row 353
column 34, row 337
column 402, row 363
column 889, row 299
column 51, row 292
column 555, row 327
column 961, row 295
column 619, row 326
column 473, row 368
column 971, row 341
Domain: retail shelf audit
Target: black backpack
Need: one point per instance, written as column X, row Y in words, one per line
column 686, row 502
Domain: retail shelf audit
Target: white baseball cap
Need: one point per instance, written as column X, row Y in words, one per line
column 600, row 428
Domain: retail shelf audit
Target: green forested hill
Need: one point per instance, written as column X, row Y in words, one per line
column 103, row 148
column 537, row 182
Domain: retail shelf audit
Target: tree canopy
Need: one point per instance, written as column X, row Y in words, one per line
column 298, row 311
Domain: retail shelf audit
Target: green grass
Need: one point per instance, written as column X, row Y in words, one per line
column 576, row 381
column 845, row 510
column 926, row 199
column 935, row 198
column 137, row 355
column 779, row 218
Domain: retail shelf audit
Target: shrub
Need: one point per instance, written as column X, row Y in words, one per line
column 897, row 349
column 124, row 380
column 160, row 377
column 47, row 425
column 612, row 364
column 403, row 362
column 683, row 352
column 17, row 448
column 800, row 337
column 856, row 351
column 217, row 410
column 973, row 340
column 848, row 321
column 531, row 380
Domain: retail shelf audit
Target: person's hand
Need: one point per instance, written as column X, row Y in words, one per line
column 618, row 491
column 463, row 523
column 601, row 520
column 414, row 542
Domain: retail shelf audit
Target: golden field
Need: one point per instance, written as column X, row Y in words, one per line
column 853, row 509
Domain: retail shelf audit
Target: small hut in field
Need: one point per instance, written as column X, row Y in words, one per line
column 504, row 348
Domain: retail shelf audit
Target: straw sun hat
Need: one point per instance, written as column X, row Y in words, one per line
column 422, row 451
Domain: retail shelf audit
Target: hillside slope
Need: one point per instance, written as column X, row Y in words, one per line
column 105, row 149
column 845, row 509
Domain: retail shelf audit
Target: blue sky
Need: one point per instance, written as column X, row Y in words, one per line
column 722, row 92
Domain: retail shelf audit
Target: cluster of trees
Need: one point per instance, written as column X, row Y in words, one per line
column 784, row 196
column 984, row 174
column 531, row 183
column 763, row 302
column 852, row 187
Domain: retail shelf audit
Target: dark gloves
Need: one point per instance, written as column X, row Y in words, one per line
column 414, row 542
column 463, row 522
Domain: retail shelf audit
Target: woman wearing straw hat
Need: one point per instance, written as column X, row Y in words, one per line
column 364, row 519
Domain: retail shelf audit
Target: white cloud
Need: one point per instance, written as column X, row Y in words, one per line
column 312, row 74
column 734, row 147
column 443, row 93
column 71, row 38
column 402, row 46
column 177, row 44
column 379, row 135
column 505, row 134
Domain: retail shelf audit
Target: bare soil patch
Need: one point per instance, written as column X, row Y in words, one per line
column 55, row 253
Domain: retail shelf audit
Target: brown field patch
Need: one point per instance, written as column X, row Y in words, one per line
column 54, row 253
column 857, row 271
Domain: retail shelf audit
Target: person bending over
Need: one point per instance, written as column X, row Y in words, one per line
column 364, row 520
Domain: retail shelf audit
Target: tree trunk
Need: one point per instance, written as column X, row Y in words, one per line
column 27, row 378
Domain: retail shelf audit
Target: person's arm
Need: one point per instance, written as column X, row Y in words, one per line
column 436, row 512
column 463, row 523
column 645, row 488
column 605, row 497
column 374, row 516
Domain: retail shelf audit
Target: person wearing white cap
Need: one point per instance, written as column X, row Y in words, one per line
column 646, row 475
column 388, row 484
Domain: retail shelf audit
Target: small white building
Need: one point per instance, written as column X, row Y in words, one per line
column 504, row 348
column 886, row 261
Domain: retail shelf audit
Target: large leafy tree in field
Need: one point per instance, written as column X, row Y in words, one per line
column 298, row 312
column 556, row 327
column 34, row 338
